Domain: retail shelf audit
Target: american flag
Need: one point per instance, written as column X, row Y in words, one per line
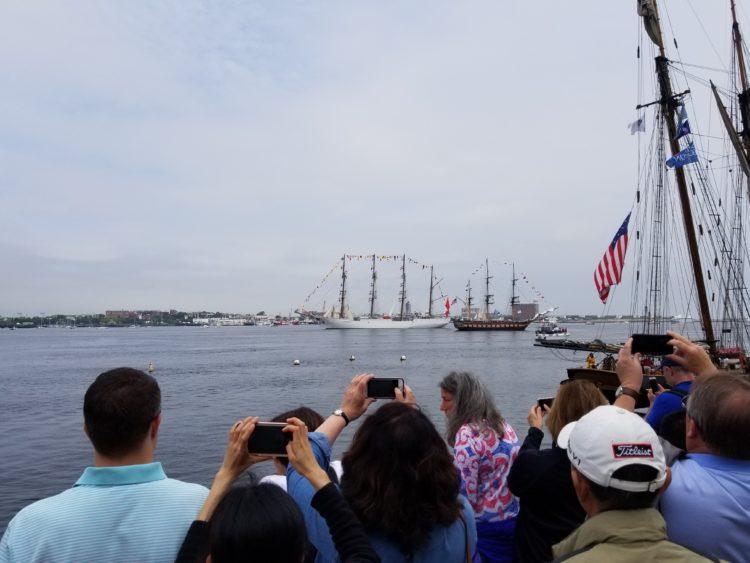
column 609, row 270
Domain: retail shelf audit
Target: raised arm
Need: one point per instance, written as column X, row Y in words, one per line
column 630, row 374
column 353, row 405
column 691, row 356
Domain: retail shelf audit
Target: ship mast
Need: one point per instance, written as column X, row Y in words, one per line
column 669, row 105
column 432, row 287
column 372, row 287
column 343, row 286
column 469, row 299
column 487, row 295
column 403, row 285
column 513, row 298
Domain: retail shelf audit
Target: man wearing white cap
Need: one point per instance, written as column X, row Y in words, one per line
column 618, row 470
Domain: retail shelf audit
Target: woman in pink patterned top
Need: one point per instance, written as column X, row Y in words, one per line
column 484, row 448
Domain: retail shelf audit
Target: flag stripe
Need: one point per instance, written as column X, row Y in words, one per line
column 609, row 270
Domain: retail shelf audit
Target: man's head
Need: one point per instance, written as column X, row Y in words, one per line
column 120, row 410
column 617, row 462
column 674, row 373
column 718, row 418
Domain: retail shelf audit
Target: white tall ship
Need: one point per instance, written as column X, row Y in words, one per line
column 343, row 318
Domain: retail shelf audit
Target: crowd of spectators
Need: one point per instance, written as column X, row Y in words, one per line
column 610, row 487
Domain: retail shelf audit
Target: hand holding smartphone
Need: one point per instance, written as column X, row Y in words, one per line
column 384, row 388
column 269, row 438
column 546, row 401
column 652, row 344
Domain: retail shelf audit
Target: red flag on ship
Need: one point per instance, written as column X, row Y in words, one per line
column 609, row 270
column 447, row 307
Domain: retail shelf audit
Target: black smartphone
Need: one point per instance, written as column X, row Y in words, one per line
column 384, row 388
column 653, row 384
column 268, row 438
column 547, row 401
column 652, row 344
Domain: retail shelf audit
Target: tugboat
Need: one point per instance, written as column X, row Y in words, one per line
column 485, row 321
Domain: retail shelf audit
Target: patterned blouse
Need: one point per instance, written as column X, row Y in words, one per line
column 484, row 460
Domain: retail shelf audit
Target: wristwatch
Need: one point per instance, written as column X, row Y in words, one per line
column 632, row 393
column 342, row 414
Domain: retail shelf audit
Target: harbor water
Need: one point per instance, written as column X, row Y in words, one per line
column 211, row 377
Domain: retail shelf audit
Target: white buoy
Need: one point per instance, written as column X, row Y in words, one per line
column 295, row 362
column 403, row 358
column 352, row 358
column 151, row 367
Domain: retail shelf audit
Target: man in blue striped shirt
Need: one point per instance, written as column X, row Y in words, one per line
column 124, row 508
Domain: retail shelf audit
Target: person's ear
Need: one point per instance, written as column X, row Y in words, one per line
column 691, row 429
column 580, row 486
column 155, row 426
column 667, row 481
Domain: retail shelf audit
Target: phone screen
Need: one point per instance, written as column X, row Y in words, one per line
column 652, row 344
column 653, row 384
column 269, row 438
column 548, row 401
column 383, row 388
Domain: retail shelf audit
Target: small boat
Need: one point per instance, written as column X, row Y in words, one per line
column 550, row 330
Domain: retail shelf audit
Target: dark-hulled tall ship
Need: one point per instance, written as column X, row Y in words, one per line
column 484, row 320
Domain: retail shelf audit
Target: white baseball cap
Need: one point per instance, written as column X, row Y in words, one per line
column 608, row 438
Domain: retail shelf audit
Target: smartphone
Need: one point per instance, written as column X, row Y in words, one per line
column 652, row 344
column 384, row 388
column 653, row 384
column 268, row 438
column 548, row 401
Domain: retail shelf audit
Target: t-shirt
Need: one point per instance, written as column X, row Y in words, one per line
column 666, row 403
column 707, row 505
column 125, row 513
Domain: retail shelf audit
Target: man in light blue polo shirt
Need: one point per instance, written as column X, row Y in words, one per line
column 122, row 509
column 707, row 504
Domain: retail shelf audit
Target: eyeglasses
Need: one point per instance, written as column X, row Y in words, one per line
column 684, row 402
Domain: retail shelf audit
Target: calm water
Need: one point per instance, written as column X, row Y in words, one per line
column 213, row 377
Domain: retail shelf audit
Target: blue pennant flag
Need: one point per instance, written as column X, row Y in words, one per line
column 685, row 156
column 683, row 125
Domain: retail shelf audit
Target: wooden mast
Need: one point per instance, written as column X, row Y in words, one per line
column 343, row 286
column 513, row 298
column 669, row 106
column 403, row 285
column 432, row 287
column 468, row 299
column 487, row 294
column 372, row 288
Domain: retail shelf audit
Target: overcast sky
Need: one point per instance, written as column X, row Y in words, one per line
column 223, row 155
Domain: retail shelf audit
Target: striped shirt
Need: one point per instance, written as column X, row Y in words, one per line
column 126, row 513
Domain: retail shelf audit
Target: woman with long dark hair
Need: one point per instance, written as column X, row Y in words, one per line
column 541, row 479
column 484, row 448
column 399, row 480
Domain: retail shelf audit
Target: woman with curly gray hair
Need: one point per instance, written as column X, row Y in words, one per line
column 484, row 448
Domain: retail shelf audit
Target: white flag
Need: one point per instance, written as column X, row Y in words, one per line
column 638, row 125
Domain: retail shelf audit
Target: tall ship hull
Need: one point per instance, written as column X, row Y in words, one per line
column 499, row 324
column 383, row 323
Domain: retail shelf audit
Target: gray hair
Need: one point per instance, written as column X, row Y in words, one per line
column 472, row 404
column 718, row 406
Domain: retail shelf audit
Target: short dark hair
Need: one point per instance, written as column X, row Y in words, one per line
column 610, row 498
column 399, row 476
column 310, row 417
column 672, row 428
column 718, row 406
column 257, row 523
column 118, row 409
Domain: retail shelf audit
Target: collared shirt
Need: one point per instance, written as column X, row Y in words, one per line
column 446, row 544
column 125, row 513
column 707, row 505
column 666, row 403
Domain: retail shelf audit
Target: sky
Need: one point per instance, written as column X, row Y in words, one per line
column 223, row 155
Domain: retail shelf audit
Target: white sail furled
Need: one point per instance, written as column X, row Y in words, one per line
column 647, row 10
